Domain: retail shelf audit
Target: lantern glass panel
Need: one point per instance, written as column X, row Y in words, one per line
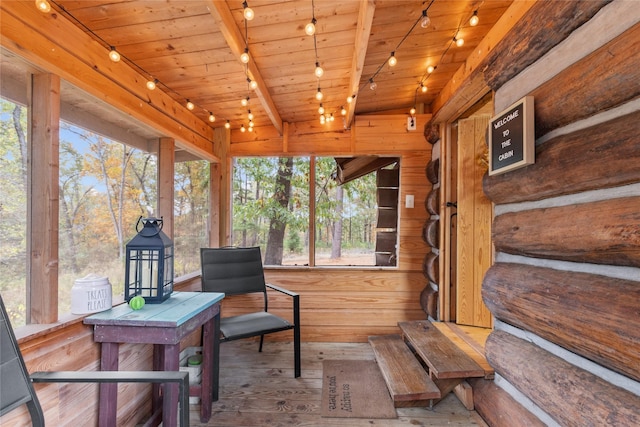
column 149, row 264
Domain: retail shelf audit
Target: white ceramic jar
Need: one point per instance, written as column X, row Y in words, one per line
column 90, row 294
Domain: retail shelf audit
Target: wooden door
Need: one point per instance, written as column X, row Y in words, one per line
column 474, row 211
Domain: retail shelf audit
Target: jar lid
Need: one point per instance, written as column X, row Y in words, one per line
column 92, row 280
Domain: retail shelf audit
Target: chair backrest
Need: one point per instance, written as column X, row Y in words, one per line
column 16, row 388
column 232, row 270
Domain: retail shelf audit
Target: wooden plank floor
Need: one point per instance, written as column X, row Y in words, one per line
column 259, row 390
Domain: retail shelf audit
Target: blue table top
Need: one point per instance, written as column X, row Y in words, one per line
column 174, row 311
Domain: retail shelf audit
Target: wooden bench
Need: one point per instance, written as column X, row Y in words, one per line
column 407, row 380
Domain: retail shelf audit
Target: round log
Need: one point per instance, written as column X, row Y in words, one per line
column 430, row 267
column 430, row 232
column 433, row 171
column 432, row 132
column 432, row 202
column 429, row 301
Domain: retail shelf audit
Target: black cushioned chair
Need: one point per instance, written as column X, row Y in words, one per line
column 17, row 389
column 236, row 271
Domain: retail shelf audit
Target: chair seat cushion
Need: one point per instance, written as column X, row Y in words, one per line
column 252, row 324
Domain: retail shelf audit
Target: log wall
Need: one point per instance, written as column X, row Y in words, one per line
column 565, row 288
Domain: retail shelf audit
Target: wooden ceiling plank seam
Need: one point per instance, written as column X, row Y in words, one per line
column 224, row 18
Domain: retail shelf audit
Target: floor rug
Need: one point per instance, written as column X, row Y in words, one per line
column 355, row 389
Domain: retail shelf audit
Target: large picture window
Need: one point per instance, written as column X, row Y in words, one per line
column 272, row 209
column 105, row 186
column 13, row 208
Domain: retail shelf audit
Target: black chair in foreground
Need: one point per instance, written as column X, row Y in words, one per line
column 17, row 388
column 237, row 271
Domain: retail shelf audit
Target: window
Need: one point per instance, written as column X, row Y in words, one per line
column 271, row 209
column 13, row 208
column 105, row 186
column 191, row 210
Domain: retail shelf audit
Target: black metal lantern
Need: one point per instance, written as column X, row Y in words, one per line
column 149, row 265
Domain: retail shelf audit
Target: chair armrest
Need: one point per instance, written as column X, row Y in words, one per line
column 111, row 377
column 282, row 290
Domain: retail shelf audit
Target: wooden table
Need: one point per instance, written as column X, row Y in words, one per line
column 162, row 325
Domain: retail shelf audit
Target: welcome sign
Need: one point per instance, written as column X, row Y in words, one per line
column 512, row 137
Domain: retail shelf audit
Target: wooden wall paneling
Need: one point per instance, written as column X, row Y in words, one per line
column 612, row 73
column 600, row 232
column 584, row 313
column 42, row 207
column 569, row 394
column 498, row 408
column 600, row 156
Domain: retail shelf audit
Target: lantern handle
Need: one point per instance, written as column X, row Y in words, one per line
column 160, row 223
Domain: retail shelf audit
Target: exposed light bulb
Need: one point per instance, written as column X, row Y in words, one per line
column 212, row 118
column 227, row 125
column 114, row 55
column 321, row 109
column 430, row 69
column 412, row 111
column 151, row 84
column 244, row 56
column 244, row 102
column 474, row 19
column 190, row 105
column 458, row 42
column 250, row 115
column 350, row 99
column 310, row 28
column 423, row 88
column 426, row 21
column 242, row 128
column 322, row 119
column 43, row 6
column 393, row 60
column 319, row 71
column 248, row 12
column 372, row 85
column 319, row 95
column 253, row 84
column 331, row 118
column 343, row 111
column 250, row 127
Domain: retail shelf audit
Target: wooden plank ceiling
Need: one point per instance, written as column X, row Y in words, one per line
column 193, row 49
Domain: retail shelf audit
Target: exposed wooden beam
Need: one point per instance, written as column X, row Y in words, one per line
column 365, row 20
column 227, row 24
